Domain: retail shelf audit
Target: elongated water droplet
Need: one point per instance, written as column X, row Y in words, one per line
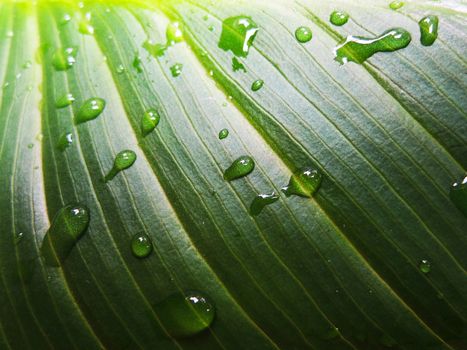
column 257, row 84
column 238, row 34
column 223, row 134
column 304, row 182
column 428, row 30
column 261, row 201
column 123, row 160
column 84, row 27
column 424, row 266
column 359, row 49
column 64, row 58
column 90, row 110
column 187, row 314
column 303, row 34
column 67, row 227
column 149, row 121
column 237, row 65
column 141, row 245
column 64, row 101
column 240, row 167
column 339, row 18
column 458, row 195
column 174, row 33
column 137, row 64
column 176, row 69
column 65, row 141
column 155, row 50
column 396, row 5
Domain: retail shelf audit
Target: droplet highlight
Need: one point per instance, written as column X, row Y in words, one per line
column 240, row 167
column 304, row 182
column 261, row 201
column 303, row 34
column 458, row 195
column 257, row 84
column 238, row 34
column 428, row 30
column 339, row 18
column 64, row 101
column 141, row 245
column 123, row 160
column 90, row 110
column 149, row 121
column 64, row 58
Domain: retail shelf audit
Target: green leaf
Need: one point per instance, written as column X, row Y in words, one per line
column 372, row 256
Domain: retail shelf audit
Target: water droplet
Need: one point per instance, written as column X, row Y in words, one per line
column 149, row 121
column 64, row 101
column 396, row 5
column 64, row 58
column 174, row 33
column 358, row 49
column 30, row 145
column 141, row 245
column 237, row 65
column 428, row 30
column 65, row 140
column 120, row 69
column 123, row 160
column 240, row 167
column 155, row 50
column 238, row 34
column 27, row 65
column 304, row 182
column 67, row 227
column 257, row 84
column 458, row 195
column 223, row 134
column 84, row 27
column 187, row 314
column 261, row 201
column 137, row 63
column 303, row 34
column 339, row 18
column 90, row 110
column 65, row 19
column 205, row 17
column 176, row 69
column 211, row 27
column 424, row 266
column 18, row 237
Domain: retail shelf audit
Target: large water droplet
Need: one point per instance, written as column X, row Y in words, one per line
column 123, row 160
column 424, row 266
column 304, row 182
column 257, row 84
column 65, row 140
column 176, row 69
column 396, row 5
column 64, row 101
column 458, row 195
column 303, row 34
column 428, row 30
column 174, row 33
column 240, row 167
column 187, row 314
column 64, row 58
column 149, row 121
column 238, row 34
column 141, row 245
column 67, row 227
column 339, row 18
column 237, row 65
column 261, row 201
column 90, row 110
column 223, row 134
column 155, row 50
column 359, row 49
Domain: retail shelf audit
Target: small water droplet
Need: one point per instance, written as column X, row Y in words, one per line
column 359, row 49
column 396, row 5
column 30, row 145
column 18, row 237
column 174, row 33
column 64, row 101
column 211, row 73
column 304, row 182
column 64, row 58
column 141, row 245
column 240, row 167
column 237, row 65
column 149, row 121
column 424, row 266
column 120, row 69
column 123, row 160
column 262, row 200
column 205, row 17
column 238, row 34
column 67, row 227
column 303, row 34
column 428, row 30
column 339, row 18
column 223, row 134
column 458, row 195
column 176, row 69
column 65, row 140
column 187, row 314
column 90, row 110
column 65, row 19
column 137, row 63
column 257, row 84
column 27, row 65
column 84, row 27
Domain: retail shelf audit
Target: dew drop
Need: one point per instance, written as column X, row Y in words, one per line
column 238, row 34
column 257, row 84
column 90, row 110
column 458, row 195
column 64, row 58
column 64, row 101
column 428, row 30
column 223, row 134
column 176, row 69
column 174, row 33
column 120, row 69
column 65, row 140
column 66, row 18
column 396, row 5
column 84, row 27
column 237, row 65
column 240, row 167
column 18, row 237
column 303, row 34
column 137, row 64
column 123, row 160
column 26, row 65
column 304, row 182
column 155, row 50
column 141, row 245
column 262, row 200
column 424, row 266
column 339, row 18
column 187, row 314
column 149, row 121
column 30, row 145
column 359, row 49
column 67, row 227
column 211, row 28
